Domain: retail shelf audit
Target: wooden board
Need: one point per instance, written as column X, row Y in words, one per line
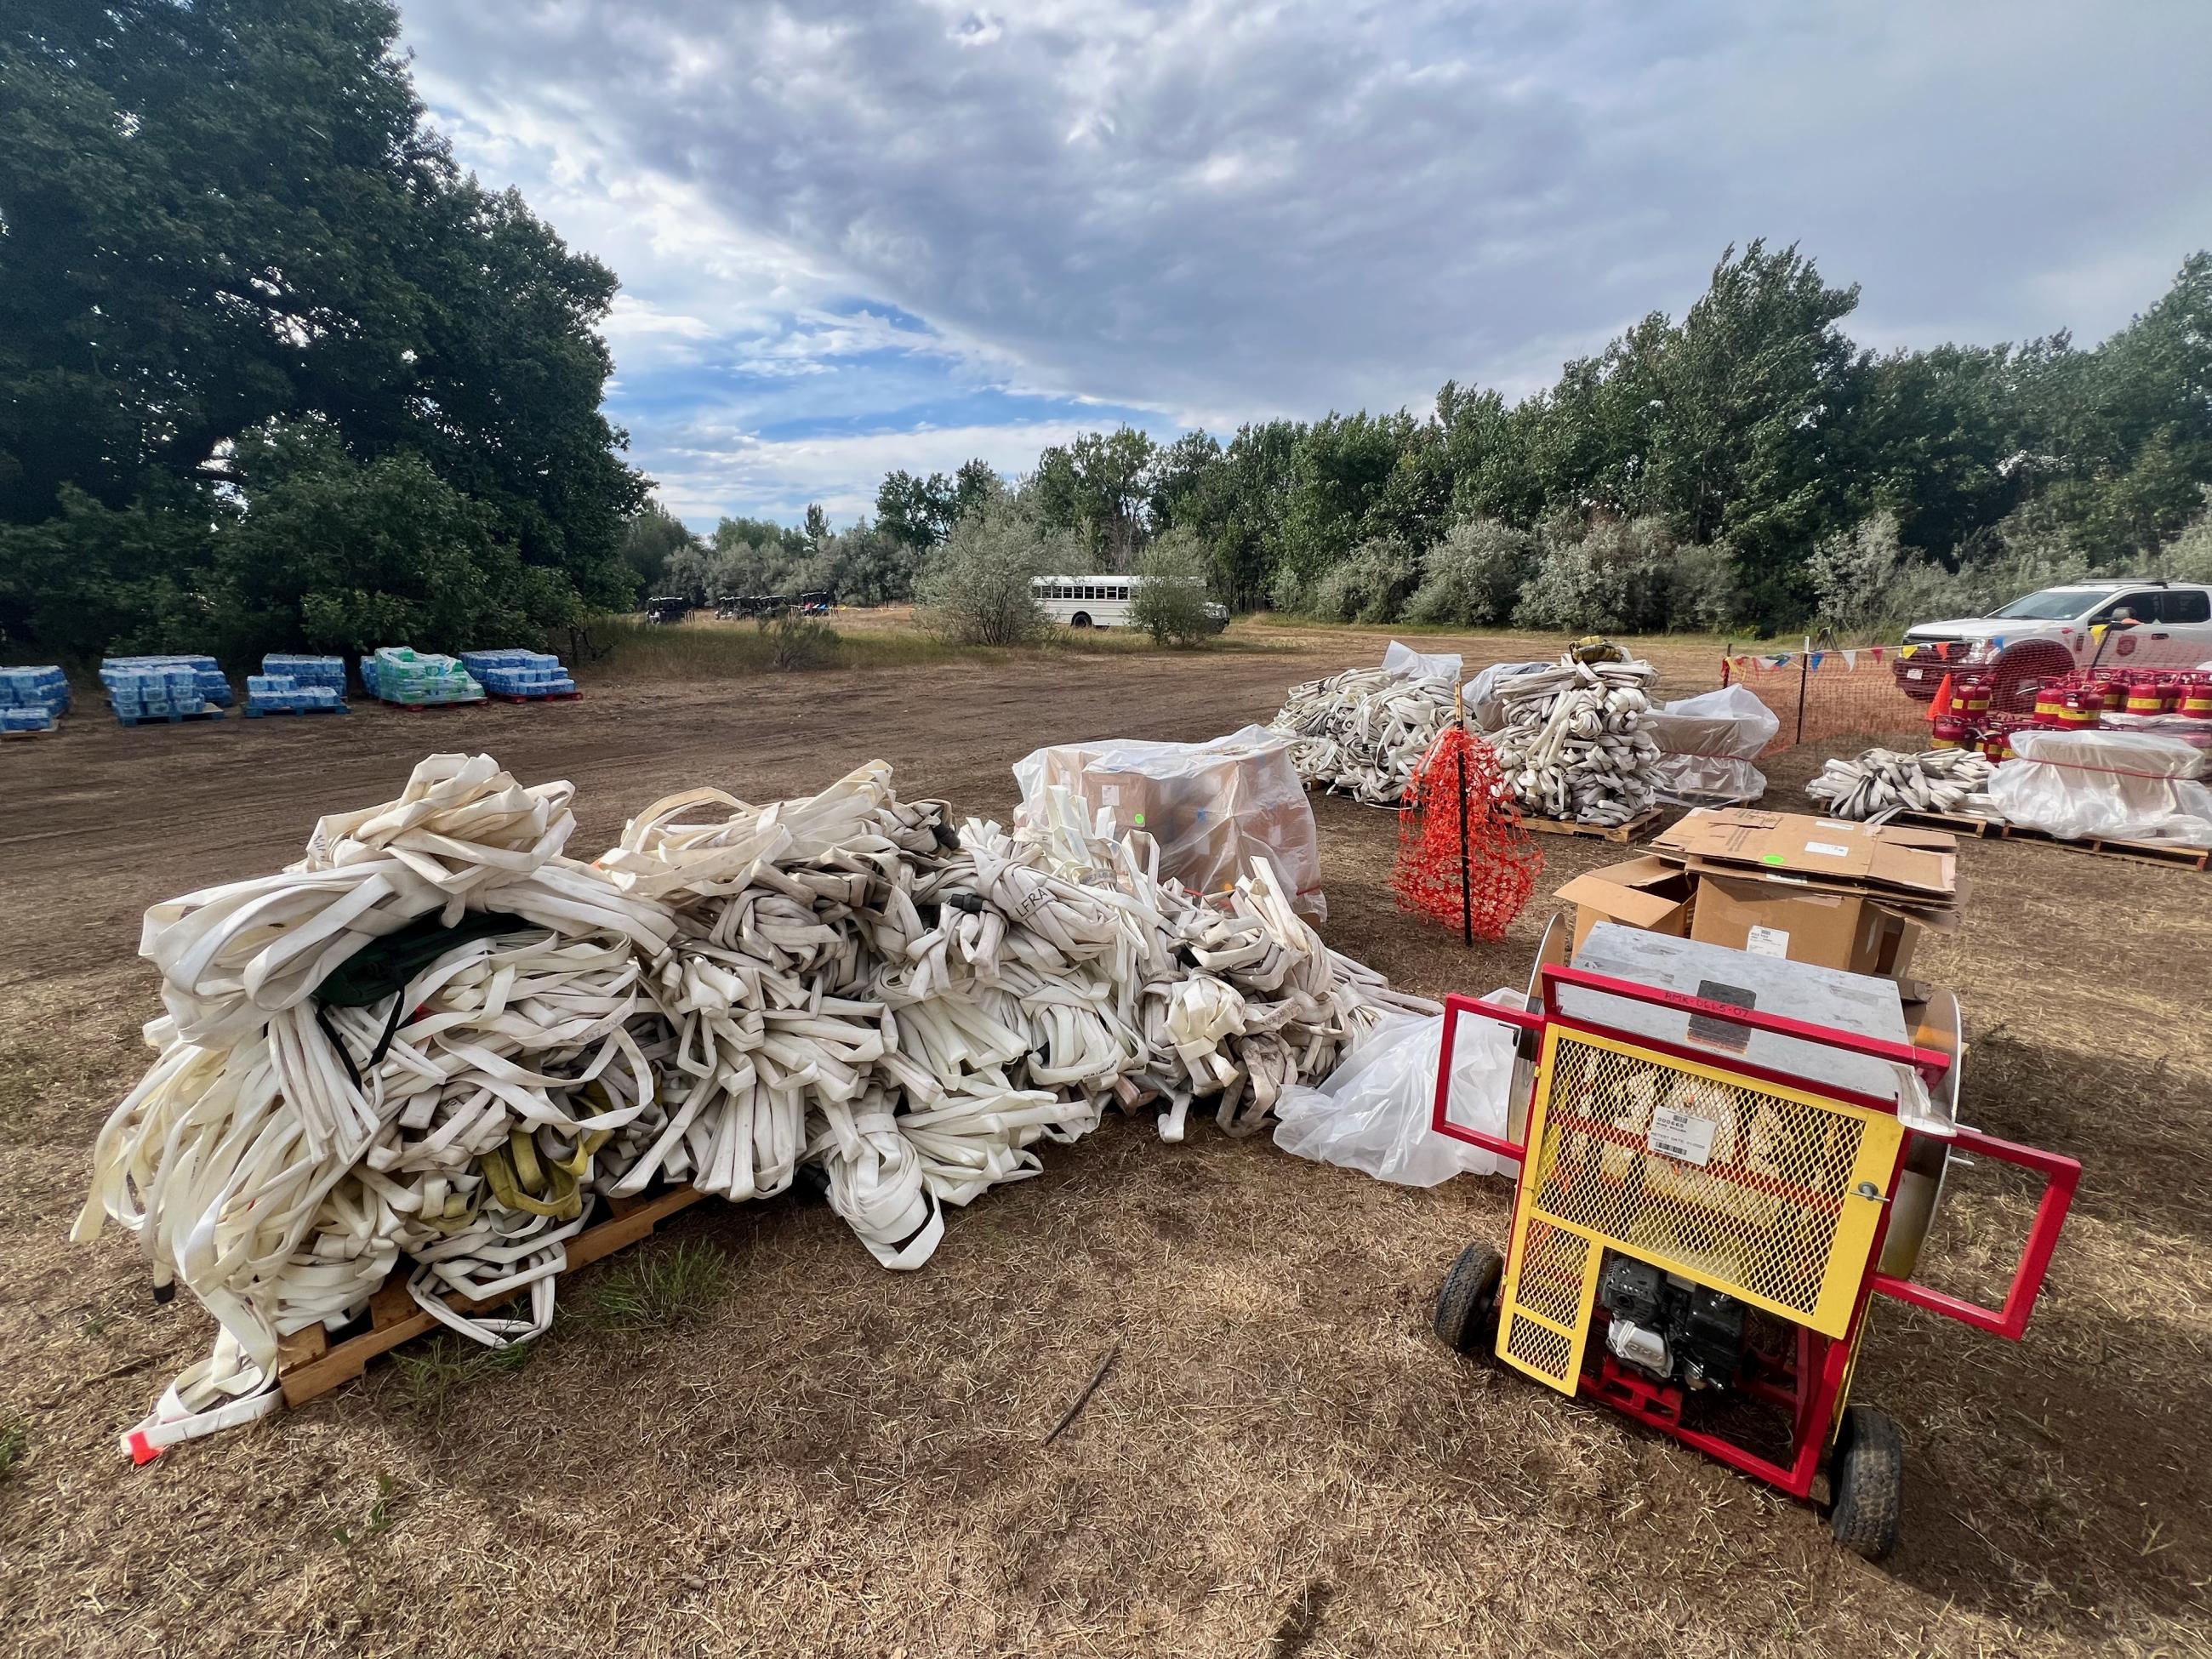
column 2166, row 854
column 1959, row 824
column 1618, row 833
column 309, row 1364
column 2163, row 853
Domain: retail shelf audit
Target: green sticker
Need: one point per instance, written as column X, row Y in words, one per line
column 1140, row 820
column 1771, row 857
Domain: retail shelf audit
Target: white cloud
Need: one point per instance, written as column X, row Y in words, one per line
column 1218, row 208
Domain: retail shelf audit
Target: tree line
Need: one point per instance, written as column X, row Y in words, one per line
column 1747, row 467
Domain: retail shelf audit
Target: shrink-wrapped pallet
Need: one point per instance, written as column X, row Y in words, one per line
column 2120, row 786
column 1210, row 806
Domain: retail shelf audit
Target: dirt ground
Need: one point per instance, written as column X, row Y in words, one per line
column 1281, row 1460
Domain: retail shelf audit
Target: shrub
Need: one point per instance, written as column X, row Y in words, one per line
column 797, row 642
column 1473, row 575
column 1705, row 592
column 1169, row 602
column 975, row 589
column 1368, row 584
column 1868, row 585
column 1616, row 579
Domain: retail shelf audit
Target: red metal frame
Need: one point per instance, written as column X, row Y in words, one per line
column 1821, row 1367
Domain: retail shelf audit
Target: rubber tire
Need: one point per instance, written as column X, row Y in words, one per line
column 1080, row 619
column 2023, row 668
column 1867, row 1479
column 1467, row 1304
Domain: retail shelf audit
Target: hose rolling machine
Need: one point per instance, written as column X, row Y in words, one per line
column 1702, row 1221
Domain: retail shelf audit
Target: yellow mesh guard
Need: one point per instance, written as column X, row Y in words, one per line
column 1771, row 1216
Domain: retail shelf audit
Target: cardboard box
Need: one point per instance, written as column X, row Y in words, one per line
column 1853, row 931
column 1652, row 894
column 1915, row 869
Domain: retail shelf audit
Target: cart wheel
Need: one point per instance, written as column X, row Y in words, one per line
column 1868, row 1481
column 1467, row 1306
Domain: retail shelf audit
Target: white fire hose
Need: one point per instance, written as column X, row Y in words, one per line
column 730, row 993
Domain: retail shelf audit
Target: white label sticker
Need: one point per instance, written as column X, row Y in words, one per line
column 1767, row 942
column 1836, row 823
column 1110, row 795
column 1827, row 849
column 1682, row 1135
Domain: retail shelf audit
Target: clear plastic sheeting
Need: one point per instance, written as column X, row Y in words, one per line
column 1406, row 663
column 2124, row 786
column 1373, row 1112
column 1484, row 706
column 1707, row 745
column 1211, row 807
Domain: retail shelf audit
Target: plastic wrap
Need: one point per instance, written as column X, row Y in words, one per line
column 1409, row 664
column 1210, row 807
column 1705, row 780
column 1482, row 704
column 1731, row 723
column 1372, row 1113
column 2125, row 786
column 1707, row 745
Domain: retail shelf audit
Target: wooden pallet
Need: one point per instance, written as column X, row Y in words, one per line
column 310, row 1365
column 253, row 713
column 418, row 707
column 215, row 714
column 1959, row 824
column 1618, row 833
column 544, row 696
column 41, row 732
column 2165, row 854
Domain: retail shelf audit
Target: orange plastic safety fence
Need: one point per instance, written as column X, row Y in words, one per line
column 1463, row 857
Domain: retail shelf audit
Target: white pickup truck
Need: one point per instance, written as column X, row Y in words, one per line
column 2144, row 624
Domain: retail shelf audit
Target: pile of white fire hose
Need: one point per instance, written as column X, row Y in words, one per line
column 1364, row 731
column 733, row 992
column 1572, row 744
column 1881, row 781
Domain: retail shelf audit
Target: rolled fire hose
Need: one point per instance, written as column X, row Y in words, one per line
column 844, row 980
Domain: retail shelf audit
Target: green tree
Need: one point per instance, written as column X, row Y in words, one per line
column 652, row 538
column 1170, row 599
column 978, row 588
column 228, row 215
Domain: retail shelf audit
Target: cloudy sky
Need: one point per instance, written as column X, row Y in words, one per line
column 855, row 237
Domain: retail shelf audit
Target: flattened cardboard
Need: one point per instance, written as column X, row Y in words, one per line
column 1917, row 868
column 1652, row 894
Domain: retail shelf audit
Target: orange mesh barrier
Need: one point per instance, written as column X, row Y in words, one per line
column 1463, row 858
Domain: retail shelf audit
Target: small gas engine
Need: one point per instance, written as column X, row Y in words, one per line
column 1668, row 1327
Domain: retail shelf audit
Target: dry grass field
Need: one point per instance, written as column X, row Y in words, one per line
column 745, row 1438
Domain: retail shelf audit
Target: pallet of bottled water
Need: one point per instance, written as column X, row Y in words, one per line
column 524, row 674
column 328, row 671
column 207, row 678
column 141, row 691
column 32, row 699
column 418, row 679
column 296, row 685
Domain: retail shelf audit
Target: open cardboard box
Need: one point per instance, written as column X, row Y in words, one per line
column 1649, row 893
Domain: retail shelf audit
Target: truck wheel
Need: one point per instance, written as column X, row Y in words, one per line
column 1080, row 619
column 1867, row 1479
column 1467, row 1307
column 2022, row 669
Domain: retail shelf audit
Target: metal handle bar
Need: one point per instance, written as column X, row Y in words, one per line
column 1454, row 1005
column 2061, row 1175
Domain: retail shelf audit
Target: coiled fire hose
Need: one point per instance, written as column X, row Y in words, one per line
column 1572, row 745
column 730, row 993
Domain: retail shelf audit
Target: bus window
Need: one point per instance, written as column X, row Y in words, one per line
column 1120, row 593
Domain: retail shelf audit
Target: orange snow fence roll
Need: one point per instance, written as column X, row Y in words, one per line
column 1463, row 858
